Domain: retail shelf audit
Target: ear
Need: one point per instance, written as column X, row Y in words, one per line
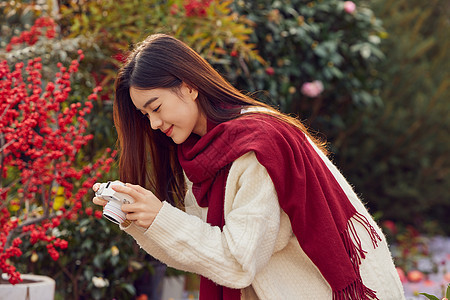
column 190, row 91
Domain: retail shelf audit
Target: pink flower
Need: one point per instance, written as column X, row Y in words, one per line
column 349, row 7
column 270, row 71
column 312, row 89
column 415, row 276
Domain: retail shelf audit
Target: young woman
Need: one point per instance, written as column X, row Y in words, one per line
column 231, row 189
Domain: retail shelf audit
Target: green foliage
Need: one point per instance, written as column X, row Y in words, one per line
column 118, row 25
column 303, row 41
column 431, row 297
column 97, row 248
column 398, row 158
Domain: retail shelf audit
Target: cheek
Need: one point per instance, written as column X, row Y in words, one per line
column 188, row 116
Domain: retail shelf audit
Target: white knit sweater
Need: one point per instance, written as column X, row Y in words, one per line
column 256, row 251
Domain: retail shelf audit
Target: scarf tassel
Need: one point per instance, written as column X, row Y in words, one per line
column 352, row 243
column 355, row 291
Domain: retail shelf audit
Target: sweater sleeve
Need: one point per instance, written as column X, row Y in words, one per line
column 231, row 256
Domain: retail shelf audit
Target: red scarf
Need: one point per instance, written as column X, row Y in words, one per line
column 321, row 215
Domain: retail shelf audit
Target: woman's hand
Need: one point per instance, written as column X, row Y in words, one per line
column 96, row 200
column 145, row 207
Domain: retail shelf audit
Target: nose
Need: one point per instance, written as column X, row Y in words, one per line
column 155, row 122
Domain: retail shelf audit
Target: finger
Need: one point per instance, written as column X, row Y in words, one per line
column 139, row 188
column 131, row 207
column 143, row 224
column 140, row 219
column 132, row 216
column 96, row 186
column 126, row 208
column 99, row 201
column 127, row 190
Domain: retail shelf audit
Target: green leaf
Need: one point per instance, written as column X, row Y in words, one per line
column 114, row 260
column 320, row 51
column 98, row 261
column 97, row 293
column 429, row 296
column 336, row 72
column 447, row 293
column 87, row 244
column 84, row 223
column 129, row 288
column 88, row 274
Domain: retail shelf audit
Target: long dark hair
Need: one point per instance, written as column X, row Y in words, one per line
column 148, row 157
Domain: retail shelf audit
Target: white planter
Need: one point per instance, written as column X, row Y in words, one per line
column 42, row 288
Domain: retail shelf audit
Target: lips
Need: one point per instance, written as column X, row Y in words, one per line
column 168, row 131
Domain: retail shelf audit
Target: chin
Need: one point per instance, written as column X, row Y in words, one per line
column 178, row 140
column 180, row 136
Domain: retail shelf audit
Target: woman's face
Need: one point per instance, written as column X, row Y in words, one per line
column 176, row 114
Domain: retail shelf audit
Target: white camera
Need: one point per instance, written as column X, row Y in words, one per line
column 112, row 210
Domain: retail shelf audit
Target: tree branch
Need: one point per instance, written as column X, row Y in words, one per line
column 5, row 146
column 6, row 109
column 26, row 223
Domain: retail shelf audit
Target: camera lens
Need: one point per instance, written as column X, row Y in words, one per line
column 112, row 212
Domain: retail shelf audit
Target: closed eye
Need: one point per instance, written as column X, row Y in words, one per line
column 156, row 109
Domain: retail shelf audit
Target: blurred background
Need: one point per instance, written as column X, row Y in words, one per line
column 370, row 77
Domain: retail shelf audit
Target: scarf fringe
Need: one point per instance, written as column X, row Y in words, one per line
column 352, row 243
column 355, row 291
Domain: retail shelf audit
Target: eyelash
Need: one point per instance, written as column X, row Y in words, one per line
column 155, row 110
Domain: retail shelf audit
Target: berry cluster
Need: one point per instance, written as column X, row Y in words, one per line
column 41, row 135
column 193, row 8
column 32, row 36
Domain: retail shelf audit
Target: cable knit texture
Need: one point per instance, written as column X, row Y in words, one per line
column 256, row 251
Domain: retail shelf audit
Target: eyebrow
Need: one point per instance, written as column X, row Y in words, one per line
column 150, row 101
